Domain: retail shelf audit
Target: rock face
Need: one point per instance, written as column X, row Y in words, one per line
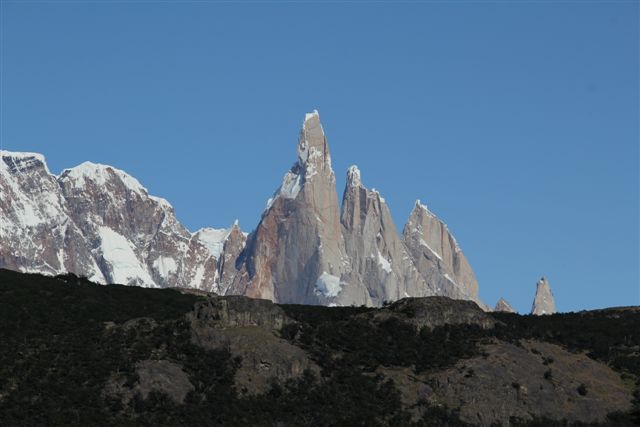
column 297, row 253
column 306, row 251
column 438, row 256
column 164, row 376
column 543, row 303
column 37, row 234
column 234, row 243
column 433, row 312
column 503, row 306
column 250, row 329
column 380, row 262
column 99, row 222
column 509, row 381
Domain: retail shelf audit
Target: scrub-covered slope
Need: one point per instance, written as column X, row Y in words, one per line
column 77, row 353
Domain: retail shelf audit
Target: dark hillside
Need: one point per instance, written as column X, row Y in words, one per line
column 76, row 353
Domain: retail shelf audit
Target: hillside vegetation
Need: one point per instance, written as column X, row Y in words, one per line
column 77, row 353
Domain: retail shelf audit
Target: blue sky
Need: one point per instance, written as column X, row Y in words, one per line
column 516, row 123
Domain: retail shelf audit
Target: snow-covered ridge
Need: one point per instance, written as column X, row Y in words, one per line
column 100, row 174
column 21, row 155
column 21, row 160
column 213, row 239
column 100, row 222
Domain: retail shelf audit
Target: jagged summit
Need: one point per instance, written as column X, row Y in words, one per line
column 312, row 115
column 353, row 176
column 503, row 306
column 438, row 255
column 20, row 161
column 307, row 248
column 419, row 206
column 8, row 154
column 381, row 265
column 313, row 150
column 298, row 240
column 97, row 221
column 543, row 302
column 215, row 238
column 313, row 160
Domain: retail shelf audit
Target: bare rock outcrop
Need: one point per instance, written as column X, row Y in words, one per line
column 161, row 376
column 380, row 261
column 237, row 311
column 233, row 246
column 305, row 250
column 297, row 252
column 543, row 302
column 538, row 379
column 249, row 328
column 431, row 312
column 438, row 256
column 503, row 306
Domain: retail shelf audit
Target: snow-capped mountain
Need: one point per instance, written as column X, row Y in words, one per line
column 99, row 222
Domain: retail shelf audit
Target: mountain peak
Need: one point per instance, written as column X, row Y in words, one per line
column 420, row 208
column 312, row 144
column 107, row 226
column 503, row 306
column 438, row 255
column 19, row 161
column 100, row 174
column 311, row 116
column 543, row 303
column 353, row 177
column 313, row 160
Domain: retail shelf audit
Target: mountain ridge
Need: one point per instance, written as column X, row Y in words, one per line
column 307, row 248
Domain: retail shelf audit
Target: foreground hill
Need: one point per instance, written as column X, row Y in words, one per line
column 77, row 353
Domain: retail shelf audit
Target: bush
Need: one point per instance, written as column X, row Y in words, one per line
column 582, row 390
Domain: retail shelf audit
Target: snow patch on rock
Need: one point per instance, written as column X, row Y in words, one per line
column 213, row 239
column 353, row 176
column 426, row 245
column 384, row 263
column 329, row 285
column 165, row 266
column 120, row 254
